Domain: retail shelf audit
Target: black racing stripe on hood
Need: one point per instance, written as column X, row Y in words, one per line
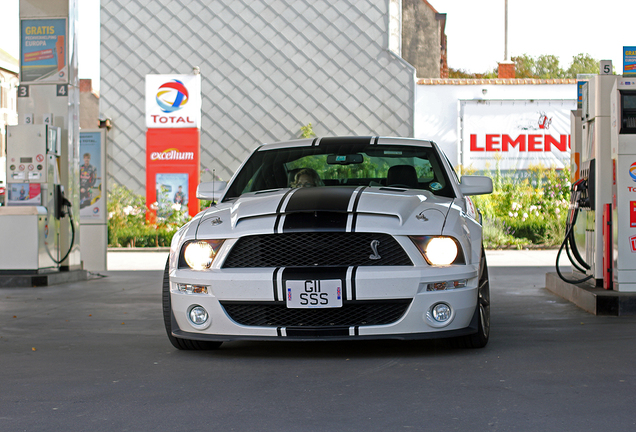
column 278, row 213
column 320, row 199
column 355, row 209
column 317, row 209
column 315, row 221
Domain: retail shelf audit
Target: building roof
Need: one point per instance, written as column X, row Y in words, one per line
column 8, row 62
column 492, row 81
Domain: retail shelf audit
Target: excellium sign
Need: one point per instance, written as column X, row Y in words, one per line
column 171, row 154
column 173, row 101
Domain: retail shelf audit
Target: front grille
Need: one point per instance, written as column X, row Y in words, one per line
column 352, row 313
column 316, row 249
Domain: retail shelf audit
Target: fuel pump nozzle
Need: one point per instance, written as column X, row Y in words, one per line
column 579, row 197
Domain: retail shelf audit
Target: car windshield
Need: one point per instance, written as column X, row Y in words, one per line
column 386, row 166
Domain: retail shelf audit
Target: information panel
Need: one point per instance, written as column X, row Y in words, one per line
column 43, row 53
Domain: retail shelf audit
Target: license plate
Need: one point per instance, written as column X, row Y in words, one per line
column 314, row 293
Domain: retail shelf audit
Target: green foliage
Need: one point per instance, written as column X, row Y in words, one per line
column 582, row 64
column 307, row 131
column 526, row 211
column 547, row 66
column 130, row 225
column 461, row 73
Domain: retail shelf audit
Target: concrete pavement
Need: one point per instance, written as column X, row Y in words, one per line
column 94, row 355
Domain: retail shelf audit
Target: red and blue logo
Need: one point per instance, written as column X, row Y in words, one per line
column 632, row 171
column 172, row 96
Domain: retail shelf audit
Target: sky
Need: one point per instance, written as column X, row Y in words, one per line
column 474, row 28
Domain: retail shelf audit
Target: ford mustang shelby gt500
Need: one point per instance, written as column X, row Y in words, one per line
column 331, row 239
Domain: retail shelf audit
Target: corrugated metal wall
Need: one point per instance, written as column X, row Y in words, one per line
column 268, row 68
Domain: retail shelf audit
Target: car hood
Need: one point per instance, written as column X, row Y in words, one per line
column 370, row 209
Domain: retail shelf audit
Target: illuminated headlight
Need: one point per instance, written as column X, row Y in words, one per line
column 446, row 285
column 199, row 254
column 192, row 289
column 439, row 250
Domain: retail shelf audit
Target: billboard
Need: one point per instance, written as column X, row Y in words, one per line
column 515, row 134
column 92, row 202
column 173, row 101
column 43, row 54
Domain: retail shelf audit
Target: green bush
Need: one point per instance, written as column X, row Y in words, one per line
column 131, row 225
column 519, row 213
column 526, row 211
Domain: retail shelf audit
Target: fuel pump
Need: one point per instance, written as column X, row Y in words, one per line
column 623, row 175
column 34, row 201
column 591, row 137
column 600, row 237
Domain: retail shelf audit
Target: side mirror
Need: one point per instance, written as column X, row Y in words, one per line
column 475, row 185
column 211, row 190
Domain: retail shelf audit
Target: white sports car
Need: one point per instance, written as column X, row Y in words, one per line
column 332, row 239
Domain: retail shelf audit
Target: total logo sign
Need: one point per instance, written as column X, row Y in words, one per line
column 173, row 101
column 632, row 174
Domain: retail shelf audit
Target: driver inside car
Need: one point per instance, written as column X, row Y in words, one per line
column 307, row 177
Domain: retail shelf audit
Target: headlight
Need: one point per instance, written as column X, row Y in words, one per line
column 199, row 254
column 439, row 250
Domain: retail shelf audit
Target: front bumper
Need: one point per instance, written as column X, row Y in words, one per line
column 362, row 286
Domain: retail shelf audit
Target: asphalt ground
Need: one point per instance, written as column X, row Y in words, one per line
column 94, row 356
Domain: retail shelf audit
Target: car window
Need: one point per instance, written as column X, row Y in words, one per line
column 393, row 166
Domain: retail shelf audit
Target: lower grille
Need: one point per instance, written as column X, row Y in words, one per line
column 352, row 313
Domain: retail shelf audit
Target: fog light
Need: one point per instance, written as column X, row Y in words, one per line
column 198, row 315
column 192, row 289
column 441, row 312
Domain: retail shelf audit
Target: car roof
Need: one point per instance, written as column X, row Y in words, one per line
column 346, row 140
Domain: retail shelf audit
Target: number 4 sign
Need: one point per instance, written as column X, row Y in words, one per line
column 62, row 90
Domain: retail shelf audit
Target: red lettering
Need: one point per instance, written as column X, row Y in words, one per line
column 561, row 145
column 473, row 143
column 154, row 117
column 180, row 120
column 189, row 121
column 507, row 141
column 163, row 119
column 533, row 142
column 491, row 141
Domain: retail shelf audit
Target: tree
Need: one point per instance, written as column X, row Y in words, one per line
column 543, row 67
column 547, row 67
column 461, row 73
column 524, row 66
column 582, row 64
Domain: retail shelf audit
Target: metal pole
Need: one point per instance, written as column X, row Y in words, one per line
column 506, row 31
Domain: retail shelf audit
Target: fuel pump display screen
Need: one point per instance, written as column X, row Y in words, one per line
column 26, row 160
column 629, row 101
column 628, row 112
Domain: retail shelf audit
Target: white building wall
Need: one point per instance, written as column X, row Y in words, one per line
column 267, row 68
column 437, row 104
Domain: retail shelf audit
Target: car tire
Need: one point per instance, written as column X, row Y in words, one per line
column 179, row 343
column 480, row 339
